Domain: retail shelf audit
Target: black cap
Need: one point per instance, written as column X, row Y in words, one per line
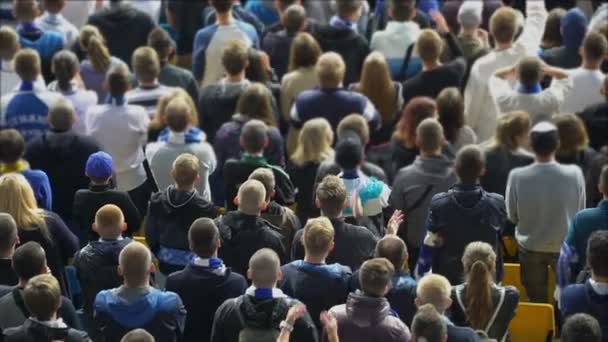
column 349, row 150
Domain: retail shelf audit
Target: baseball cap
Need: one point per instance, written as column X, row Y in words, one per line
column 99, row 165
column 349, row 150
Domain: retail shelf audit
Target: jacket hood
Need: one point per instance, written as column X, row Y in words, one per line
column 263, row 313
column 340, row 35
column 435, row 166
column 366, row 311
column 238, row 221
column 173, row 199
column 136, row 313
column 273, row 209
column 574, row 28
column 467, row 196
column 109, row 248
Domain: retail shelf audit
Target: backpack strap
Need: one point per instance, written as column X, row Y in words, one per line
column 18, row 298
column 406, row 61
column 501, row 301
column 420, row 199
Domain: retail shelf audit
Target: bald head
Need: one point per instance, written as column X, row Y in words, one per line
column 8, row 235
column 109, row 222
column 135, row 262
column 392, row 248
column 264, row 268
column 251, row 197
column 177, row 115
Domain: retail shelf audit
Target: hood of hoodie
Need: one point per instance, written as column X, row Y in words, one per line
column 574, row 28
column 136, row 313
column 173, row 199
column 340, row 36
column 366, row 311
column 437, row 166
column 467, row 197
column 263, row 313
column 239, row 221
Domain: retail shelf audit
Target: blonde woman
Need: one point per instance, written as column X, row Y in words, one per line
column 314, row 147
column 304, row 53
column 506, row 151
column 480, row 302
column 98, row 60
column 377, row 85
column 34, row 224
column 158, row 123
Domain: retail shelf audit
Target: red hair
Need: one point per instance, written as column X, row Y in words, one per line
column 416, row 110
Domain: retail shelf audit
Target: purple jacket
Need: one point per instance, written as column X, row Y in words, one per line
column 365, row 319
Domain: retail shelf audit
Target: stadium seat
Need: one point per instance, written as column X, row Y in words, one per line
column 509, row 245
column 533, row 323
column 513, row 277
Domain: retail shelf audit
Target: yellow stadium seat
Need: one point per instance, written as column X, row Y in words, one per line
column 509, row 246
column 512, row 277
column 533, row 323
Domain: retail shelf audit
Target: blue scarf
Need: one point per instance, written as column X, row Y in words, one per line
column 338, row 22
column 193, row 135
column 535, row 89
column 28, row 28
column 117, row 101
column 26, row 86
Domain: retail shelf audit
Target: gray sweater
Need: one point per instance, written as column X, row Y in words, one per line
column 410, row 185
column 542, row 198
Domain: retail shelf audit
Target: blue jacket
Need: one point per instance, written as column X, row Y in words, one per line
column 460, row 216
column 573, row 256
column 162, row 314
column 461, row 334
column 582, row 298
column 320, row 287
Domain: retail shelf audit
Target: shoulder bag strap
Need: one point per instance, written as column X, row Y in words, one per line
column 420, row 199
column 19, row 302
column 406, row 61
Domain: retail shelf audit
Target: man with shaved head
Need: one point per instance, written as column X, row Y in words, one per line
column 96, row 263
column 136, row 304
column 62, row 154
column 243, row 231
column 182, row 137
column 263, row 307
column 8, row 241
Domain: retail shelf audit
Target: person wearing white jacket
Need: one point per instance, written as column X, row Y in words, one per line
column 481, row 109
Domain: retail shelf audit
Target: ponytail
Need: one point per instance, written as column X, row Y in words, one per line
column 65, row 67
column 479, row 305
column 92, row 42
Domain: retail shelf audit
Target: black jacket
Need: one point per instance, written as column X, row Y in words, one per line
column 174, row 76
column 404, row 156
column 247, row 311
column 32, row 331
column 499, row 163
column 352, row 46
column 63, row 157
column 88, row 201
column 353, row 245
column 278, row 45
column 96, row 266
column 124, row 28
column 217, row 104
column 196, row 285
column 170, row 214
column 8, row 277
column 596, row 120
column 303, row 178
column 242, row 235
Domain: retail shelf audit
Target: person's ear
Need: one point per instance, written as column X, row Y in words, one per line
column 449, row 303
column 331, row 247
column 235, row 201
column 345, row 204
column 600, row 188
column 123, row 226
column 417, row 302
column 304, row 26
column 120, row 271
column 418, row 141
column 94, row 227
column 302, row 239
column 317, row 203
column 219, row 243
column 482, row 172
column 241, row 142
column 249, row 274
column 280, row 275
column 264, row 206
column 389, row 11
column 266, row 142
column 197, row 179
column 152, row 268
column 272, row 194
column 172, row 173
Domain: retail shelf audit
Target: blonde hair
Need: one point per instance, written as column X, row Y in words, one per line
column 17, row 199
column 479, row 263
column 314, row 142
column 42, row 296
column 135, row 260
column 9, row 43
column 25, row 10
column 355, row 123
column 330, row 69
column 318, row 236
column 159, row 121
column 27, row 64
column 146, row 65
column 92, row 42
column 510, row 126
column 503, row 24
column 186, row 168
column 251, row 195
column 429, row 45
column 109, row 216
column 255, row 103
column 572, row 134
column 434, row 289
column 377, row 85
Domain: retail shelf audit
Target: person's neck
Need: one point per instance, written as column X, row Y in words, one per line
column 591, row 65
column 240, row 77
column 141, row 285
column 212, row 256
column 51, row 319
column 331, row 217
column 224, row 18
column 244, row 213
column 503, row 46
column 100, row 184
column 7, row 254
column 428, row 66
column 426, row 154
column 184, row 188
column 545, row 159
column 148, row 84
column 110, row 237
column 468, row 32
column 255, row 154
column 311, row 259
column 22, row 282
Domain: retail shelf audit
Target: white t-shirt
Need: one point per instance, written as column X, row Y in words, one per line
column 586, row 86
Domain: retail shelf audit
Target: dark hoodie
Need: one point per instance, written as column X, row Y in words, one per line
column 170, row 214
column 242, row 235
column 582, row 298
column 124, row 28
column 198, row 284
column 121, row 310
column 366, row 319
column 62, row 155
column 217, row 104
column 403, row 156
column 33, row 331
column 248, row 311
column 352, row 46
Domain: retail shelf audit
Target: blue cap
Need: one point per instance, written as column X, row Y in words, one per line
column 99, row 165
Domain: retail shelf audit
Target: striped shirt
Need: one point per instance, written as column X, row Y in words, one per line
column 147, row 97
